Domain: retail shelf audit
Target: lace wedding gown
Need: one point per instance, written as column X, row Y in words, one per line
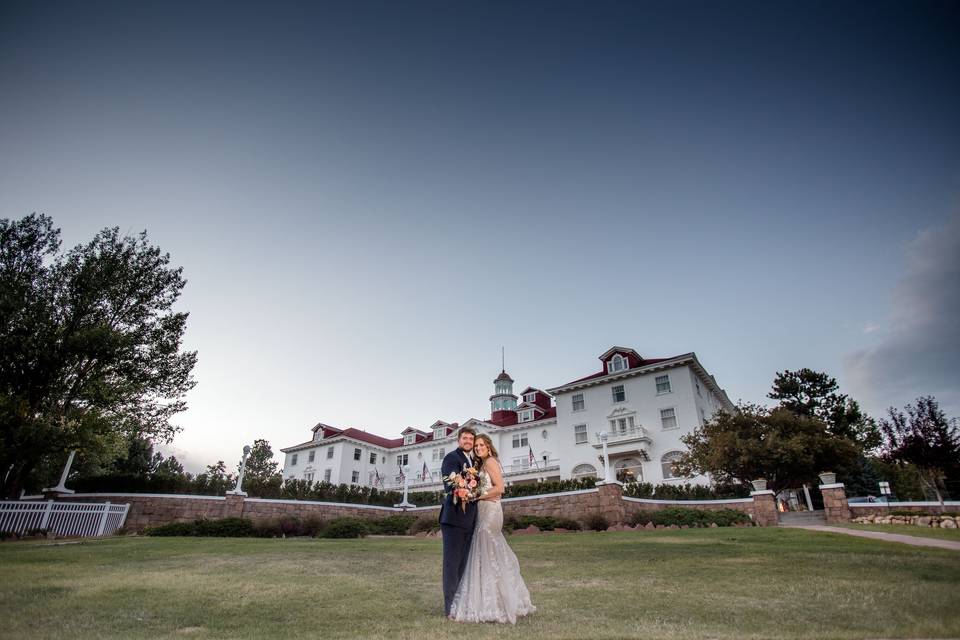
column 491, row 589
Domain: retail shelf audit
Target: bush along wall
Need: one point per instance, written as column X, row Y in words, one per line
column 680, row 516
column 685, row 491
column 289, row 526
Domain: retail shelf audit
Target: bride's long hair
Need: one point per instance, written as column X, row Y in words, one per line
column 493, row 450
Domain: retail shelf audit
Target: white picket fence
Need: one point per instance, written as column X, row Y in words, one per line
column 80, row 519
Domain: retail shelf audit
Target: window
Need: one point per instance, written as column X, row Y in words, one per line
column 703, row 416
column 440, row 432
column 667, row 464
column 310, row 457
column 318, row 435
column 439, row 453
column 330, row 453
column 580, row 434
column 410, row 438
column 697, row 382
column 519, row 440
column 355, row 477
column 383, row 459
column 402, row 459
column 628, row 470
column 617, row 363
column 293, row 460
column 619, row 395
column 663, row 384
column 584, row 471
column 326, row 475
column 526, row 415
column 668, row 417
column 621, row 426
column 578, row 402
column 373, row 458
column 308, row 476
column 356, row 454
column 521, row 463
column 530, row 397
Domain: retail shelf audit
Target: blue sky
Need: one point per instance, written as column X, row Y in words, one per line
column 369, row 199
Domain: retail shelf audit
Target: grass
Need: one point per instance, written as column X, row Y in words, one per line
column 694, row 583
column 908, row 530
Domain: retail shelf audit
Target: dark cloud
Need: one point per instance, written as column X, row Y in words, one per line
column 919, row 345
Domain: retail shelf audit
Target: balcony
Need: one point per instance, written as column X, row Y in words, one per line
column 624, row 436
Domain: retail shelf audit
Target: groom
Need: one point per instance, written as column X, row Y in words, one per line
column 455, row 523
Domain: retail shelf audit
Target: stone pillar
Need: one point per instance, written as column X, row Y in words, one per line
column 610, row 499
column 835, row 504
column 233, row 508
column 765, row 513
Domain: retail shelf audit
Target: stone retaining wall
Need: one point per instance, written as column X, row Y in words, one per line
column 148, row 510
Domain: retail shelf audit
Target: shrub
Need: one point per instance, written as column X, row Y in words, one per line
column 554, row 486
column 312, row 526
column 225, row 528
column 221, row 528
column 392, row 525
column 172, row 529
column 346, row 528
column 691, row 517
column 429, row 524
column 685, row 491
column 597, row 523
column 289, row 525
column 37, row 532
column 8, row 535
column 544, row 523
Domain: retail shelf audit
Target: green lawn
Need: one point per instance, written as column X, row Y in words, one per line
column 695, row 583
column 908, row 530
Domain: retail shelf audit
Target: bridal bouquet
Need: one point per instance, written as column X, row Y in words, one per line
column 466, row 486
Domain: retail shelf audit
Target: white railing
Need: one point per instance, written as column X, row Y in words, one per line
column 615, row 436
column 81, row 519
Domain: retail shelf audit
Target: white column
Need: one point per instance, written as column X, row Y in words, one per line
column 406, row 485
column 607, row 475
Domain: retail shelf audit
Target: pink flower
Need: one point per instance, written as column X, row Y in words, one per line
column 472, row 483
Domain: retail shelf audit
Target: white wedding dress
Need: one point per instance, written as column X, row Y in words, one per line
column 491, row 589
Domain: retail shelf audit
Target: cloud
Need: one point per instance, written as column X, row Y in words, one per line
column 918, row 352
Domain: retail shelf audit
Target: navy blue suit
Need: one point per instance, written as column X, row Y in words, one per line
column 457, row 527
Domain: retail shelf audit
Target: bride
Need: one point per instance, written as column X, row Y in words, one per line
column 491, row 589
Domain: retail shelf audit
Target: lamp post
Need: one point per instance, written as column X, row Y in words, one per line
column 406, row 486
column 607, row 477
column 238, row 491
column 60, row 488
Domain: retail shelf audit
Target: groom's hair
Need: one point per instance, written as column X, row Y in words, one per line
column 464, row 430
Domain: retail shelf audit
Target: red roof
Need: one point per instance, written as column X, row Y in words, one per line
column 643, row 363
column 363, row 436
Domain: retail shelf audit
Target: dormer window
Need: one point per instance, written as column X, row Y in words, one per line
column 318, row 436
column 530, row 397
column 526, row 415
column 617, row 363
column 440, row 432
column 410, row 438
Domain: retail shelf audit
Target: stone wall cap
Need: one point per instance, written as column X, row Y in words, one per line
column 835, row 485
column 765, row 492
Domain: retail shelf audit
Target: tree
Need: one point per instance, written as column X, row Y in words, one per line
column 90, row 346
column 215, row 480
column 813, row 393
column 261, row 477
column 785, row 448
column 925, row 438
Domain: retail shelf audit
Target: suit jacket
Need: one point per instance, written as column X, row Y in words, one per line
column 452, row 514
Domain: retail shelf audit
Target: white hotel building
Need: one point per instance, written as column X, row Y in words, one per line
column 645, row 406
